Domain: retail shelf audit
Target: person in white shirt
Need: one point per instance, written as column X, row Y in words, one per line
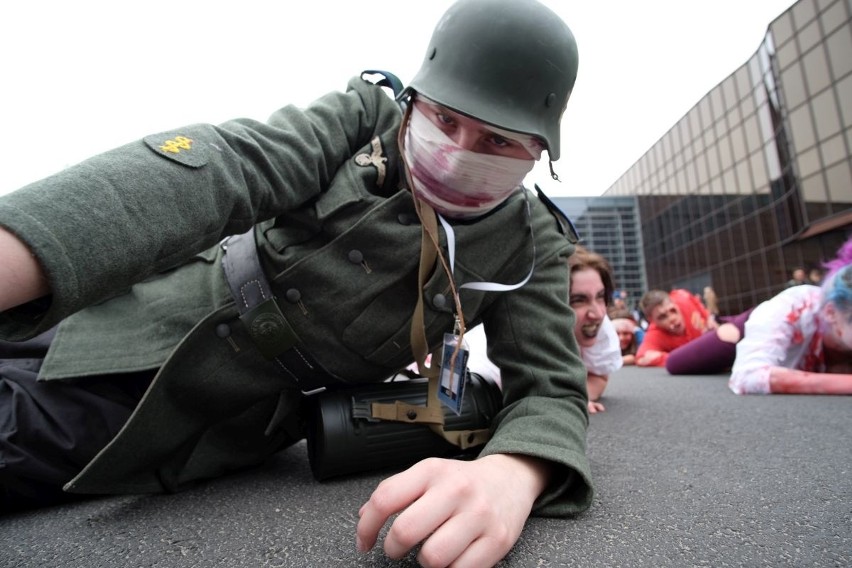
column 800, row 341
column 797, row 342
column 590, row 293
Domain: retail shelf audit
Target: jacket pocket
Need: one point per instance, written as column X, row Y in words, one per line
column 382, row 331
column 344, row 190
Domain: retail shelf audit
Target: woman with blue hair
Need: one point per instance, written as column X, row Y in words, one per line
column 798, row 342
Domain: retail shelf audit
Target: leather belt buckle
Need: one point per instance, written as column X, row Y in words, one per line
column 268, row 329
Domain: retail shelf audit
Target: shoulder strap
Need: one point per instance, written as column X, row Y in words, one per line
column 566, row 227
column 387, row 79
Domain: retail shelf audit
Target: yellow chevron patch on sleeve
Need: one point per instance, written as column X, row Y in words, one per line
column 177, row 144
column 179, row 147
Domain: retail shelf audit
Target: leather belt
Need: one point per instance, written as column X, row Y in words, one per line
column 259, row 312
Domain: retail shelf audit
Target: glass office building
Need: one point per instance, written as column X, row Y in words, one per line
column 610, row 227
column 756, row 178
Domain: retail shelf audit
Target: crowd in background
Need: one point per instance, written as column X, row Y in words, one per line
column 799, row 341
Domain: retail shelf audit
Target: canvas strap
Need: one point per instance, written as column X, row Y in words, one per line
column 430, row 256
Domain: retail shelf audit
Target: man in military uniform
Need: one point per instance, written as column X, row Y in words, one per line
column 166, row 368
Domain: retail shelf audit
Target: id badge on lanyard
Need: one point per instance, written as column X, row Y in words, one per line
column 453, row 371
column 454, row 356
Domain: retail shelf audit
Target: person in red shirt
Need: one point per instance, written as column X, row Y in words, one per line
column 675, row 318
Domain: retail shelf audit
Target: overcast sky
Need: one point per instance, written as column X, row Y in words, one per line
column 80, row 77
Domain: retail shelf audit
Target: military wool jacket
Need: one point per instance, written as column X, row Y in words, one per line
column 129, row 242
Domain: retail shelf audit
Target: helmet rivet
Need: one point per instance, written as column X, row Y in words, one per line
column 551, row 98
column 434, row 52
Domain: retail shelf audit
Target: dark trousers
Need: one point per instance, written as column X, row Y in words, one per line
column 707, row 355
column 49, row 430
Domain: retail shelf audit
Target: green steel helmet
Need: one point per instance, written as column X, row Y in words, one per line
column 510, row 63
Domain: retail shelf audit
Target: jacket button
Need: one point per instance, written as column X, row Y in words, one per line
column 293, row 295
column 439, row 301
column 406, row 218
column 223, row 330
column 355, row 257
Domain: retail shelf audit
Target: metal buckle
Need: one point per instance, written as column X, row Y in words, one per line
column 363, row 409
column 268, row 329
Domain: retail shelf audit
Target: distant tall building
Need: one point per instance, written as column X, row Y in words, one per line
column 610, row 227
column 757, row 177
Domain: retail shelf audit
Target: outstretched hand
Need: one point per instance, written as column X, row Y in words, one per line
column 651, row 358
column 463, row 513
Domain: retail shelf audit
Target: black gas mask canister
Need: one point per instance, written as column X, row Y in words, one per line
column 344, row 439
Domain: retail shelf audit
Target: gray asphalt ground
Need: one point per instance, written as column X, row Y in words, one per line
column 687, row 474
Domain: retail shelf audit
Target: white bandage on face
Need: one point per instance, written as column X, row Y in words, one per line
column 457, row 182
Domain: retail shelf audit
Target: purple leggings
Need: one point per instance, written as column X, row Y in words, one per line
column 707, row 354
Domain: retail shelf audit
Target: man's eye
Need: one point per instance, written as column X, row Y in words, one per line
column 499, row 141
column 445, row 119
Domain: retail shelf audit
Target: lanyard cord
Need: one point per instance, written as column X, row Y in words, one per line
column 488, row 286
column 430, row 249
column 483, row 286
